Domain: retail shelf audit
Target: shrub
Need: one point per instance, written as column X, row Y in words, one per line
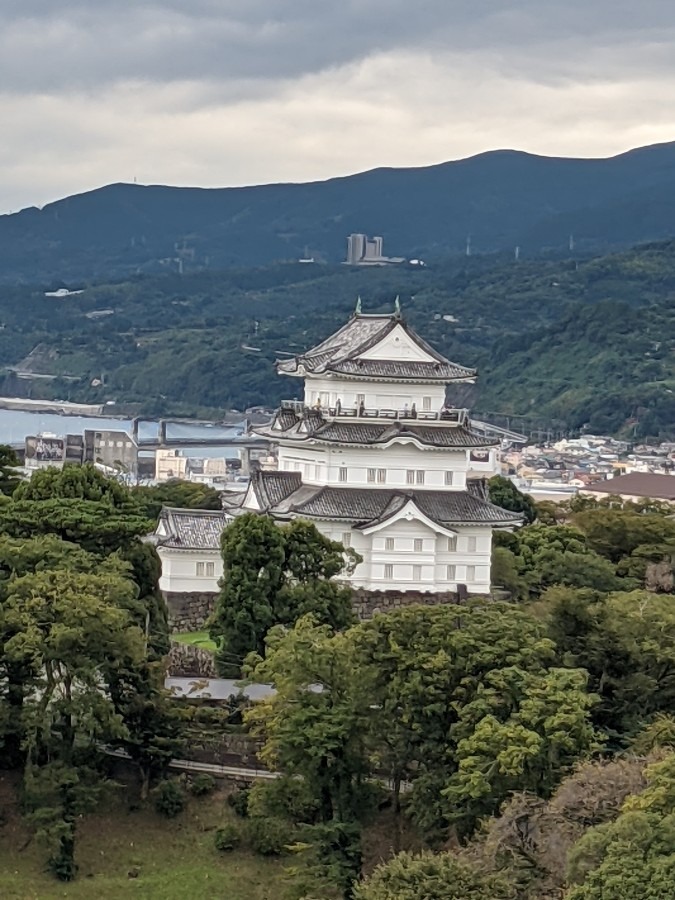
column 227, row 838
column 283, row 798
column 169, row 799
column 202, row 784
column 238, row 800
column 268, row 836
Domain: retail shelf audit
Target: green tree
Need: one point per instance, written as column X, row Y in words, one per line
column 253, row 567
column 433, row 876
column 447, row 684
column 626, row 641
column 503, row 492
column 71, row 631
column 631, row 858
column 274, row 575
column 177, row 493
column 9, row 478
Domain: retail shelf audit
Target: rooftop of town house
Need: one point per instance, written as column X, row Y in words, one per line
column 349, row 353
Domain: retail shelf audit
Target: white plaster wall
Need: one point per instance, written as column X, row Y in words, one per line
column 375, row 394
column 323, row 465
column 179, row 570
column 433, row 559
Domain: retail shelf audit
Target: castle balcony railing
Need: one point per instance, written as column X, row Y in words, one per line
column 453, row 416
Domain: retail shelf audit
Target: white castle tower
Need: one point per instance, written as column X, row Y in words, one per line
column 374, row 458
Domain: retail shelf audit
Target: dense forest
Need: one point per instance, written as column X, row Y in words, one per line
column 513, row 749
column 562, row 343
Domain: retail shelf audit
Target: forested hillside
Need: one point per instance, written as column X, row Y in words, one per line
column 501, row 199
column 568, row 342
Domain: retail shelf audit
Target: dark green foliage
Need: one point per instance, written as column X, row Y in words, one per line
column 9, row 479
column 272, row 576
column 268, row 836
column 504, row 493
column 202, row 784
column 170, row 799
column 283, row 798
column 227, row 837
column 177, row 493
column 238, row 800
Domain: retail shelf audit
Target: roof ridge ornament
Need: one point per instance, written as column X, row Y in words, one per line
column 357, row 311
column 397, row 307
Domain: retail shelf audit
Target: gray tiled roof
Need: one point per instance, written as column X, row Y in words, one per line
column 402, row 368
column 192, row 529
column 363, row 506
column 272, row 488
column 341, row 352
column 445, row 434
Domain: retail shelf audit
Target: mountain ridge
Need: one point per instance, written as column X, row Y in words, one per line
column 501, row 198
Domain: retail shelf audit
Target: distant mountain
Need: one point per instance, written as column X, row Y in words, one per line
column 502, row 199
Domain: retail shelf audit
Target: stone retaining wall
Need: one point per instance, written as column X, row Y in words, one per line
column 367, row 603
column 186, row 660
column 189, row 611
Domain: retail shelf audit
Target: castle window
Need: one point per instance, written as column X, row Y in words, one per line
column 426, row 403
column 201, row 569
column 451, row 573
column 389, row 571
column 381, row 476
column 389, row 544
column 372, row 473
column 452, row 544
column 471, row 544
column 417, row 573
column 346, row 539
column 410, row 476
column 449, row 477
column 343, row 473
column 418, row 545
column 420, row 476
column 470, row 573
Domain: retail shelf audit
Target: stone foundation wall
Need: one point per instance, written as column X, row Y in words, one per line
column 186, row 660
column 367, row 603
column 189, row 611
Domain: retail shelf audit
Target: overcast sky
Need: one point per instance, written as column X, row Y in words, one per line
column 214, row 92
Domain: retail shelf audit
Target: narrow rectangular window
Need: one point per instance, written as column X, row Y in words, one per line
column 451, row 573
column 418, row 545
column 471, row 545
column 210, row 569
column 381, row 476
column 426, row 403
column 201, row 569
column 296, row 466
column 449, row 477
column 389, row 544
column 417, row 573
column 452, row 543
column 410, row 476
column 346, row 539
column 389, row 571
column 343, row 473
column 470, row 573
column 360, row 399
column 371, row 475
column 420, row 476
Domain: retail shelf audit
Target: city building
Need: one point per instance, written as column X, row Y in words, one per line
column 365, row 251
column 374, row 458
column 634, row 486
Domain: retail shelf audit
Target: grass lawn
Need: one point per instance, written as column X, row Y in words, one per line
column 175, row 858
column 198, row 638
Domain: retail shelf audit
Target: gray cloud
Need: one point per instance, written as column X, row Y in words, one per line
column 222, row 92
